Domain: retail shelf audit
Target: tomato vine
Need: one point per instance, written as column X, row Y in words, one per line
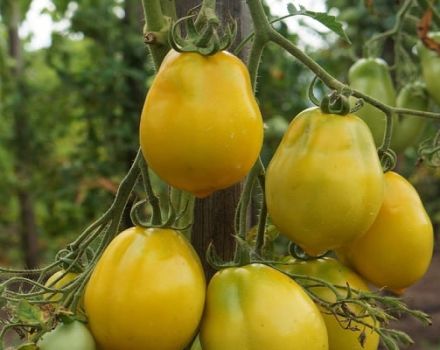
column 84, row 252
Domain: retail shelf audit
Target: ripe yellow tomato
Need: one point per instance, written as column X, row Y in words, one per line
column 201, row 129
column 397, row 249
column 147, row 292
column 61, row 282
column 332, row 271
column 256, row 307
column 324, row 185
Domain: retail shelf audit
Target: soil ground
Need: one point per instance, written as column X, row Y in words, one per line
column 425, row 296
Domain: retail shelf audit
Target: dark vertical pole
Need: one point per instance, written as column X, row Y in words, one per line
column 28, row 225
column 214, row 216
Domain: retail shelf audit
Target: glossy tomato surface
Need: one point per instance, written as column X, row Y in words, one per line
column 201, row 129
column 341, row 337
column 256, row 307
column 147, row 292
column 397, row 249
column 324, row 185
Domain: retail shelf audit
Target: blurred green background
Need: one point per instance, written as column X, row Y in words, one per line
column 69, row 111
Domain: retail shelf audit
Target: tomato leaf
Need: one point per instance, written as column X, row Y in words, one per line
column 28, row 313
column 327, row 20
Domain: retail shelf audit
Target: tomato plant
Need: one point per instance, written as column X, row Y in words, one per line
column 256, row 307
column 201, row 129
column 68, row 336
column 396, row 250
column 147, row 291
column 343, row 335
column 326, row 168
column 372, row 77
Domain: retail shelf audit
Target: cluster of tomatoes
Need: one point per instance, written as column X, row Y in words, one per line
column 325, row 190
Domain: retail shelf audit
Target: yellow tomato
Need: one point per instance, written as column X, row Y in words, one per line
column 332, row 271
column 60, row 282
column 147, row 292
column 324, row 185
column 201, row 129
column 256, row 307
column 397, row 249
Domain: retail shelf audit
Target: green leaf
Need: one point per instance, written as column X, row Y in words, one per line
column 28, row 313
column 327, row 20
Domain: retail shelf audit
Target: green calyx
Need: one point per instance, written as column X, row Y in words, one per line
column 335, row 103
column 204, row 33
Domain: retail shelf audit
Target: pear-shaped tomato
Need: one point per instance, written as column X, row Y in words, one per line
column 372, row 77
column 147, row 292
column 256, row 307
column 341, row 333
column 409, row 128
column 430, row 62
column 396, row 251
column 201, row 129
column 324, row 185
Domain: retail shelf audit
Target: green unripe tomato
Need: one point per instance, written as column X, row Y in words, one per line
column 409, row 128
column 371, row 76
column 68, row 336
column 430, row 62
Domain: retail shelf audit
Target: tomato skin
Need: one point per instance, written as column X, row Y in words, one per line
column 326, row 168
column 66, row 279
column 430, row 62
column 201, row 129
column 68, row 336
column 409, row 128
column 397, row 249
column 372, row 77
column 332, row 271
column 256, row 307
column 147, row 292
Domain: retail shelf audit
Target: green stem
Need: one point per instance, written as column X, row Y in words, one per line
column 335, row 84
column 396, row 28
column 245, row 200
column 259, row 244
column 321, row 73
column 169, row 8
column 255, row 58
column 155, row 22
column 240, row 46
column 151, row 197
column 386, row 143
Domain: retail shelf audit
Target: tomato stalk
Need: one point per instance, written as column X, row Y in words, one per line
column 400, row 16
column 156, row 22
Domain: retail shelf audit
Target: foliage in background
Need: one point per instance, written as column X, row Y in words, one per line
column 83, row 96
